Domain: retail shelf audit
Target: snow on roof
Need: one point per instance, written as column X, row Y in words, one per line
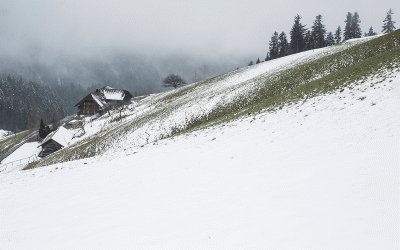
column 62, row 136
column 97, row 100
column 114, row 94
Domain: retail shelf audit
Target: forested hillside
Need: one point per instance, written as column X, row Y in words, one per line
column 23, row 104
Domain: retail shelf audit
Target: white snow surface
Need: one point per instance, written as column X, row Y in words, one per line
column 63, row 136
column 4, row 134
column 26, row 150
column 21, row 157
column 113, row 94
column 323, row 174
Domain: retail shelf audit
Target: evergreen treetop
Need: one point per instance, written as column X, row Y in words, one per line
column 283, row 45
column 297, row 35
column 355, row 26
column 330, row 40
column 338, row 35
column 274, row 46
column 388, row 23
column 370, row 32
column 347, row 34
column 318, row 33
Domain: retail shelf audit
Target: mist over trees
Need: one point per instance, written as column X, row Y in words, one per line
column 303, row 39
column 64, row 79
column 49, row 89
column 133, row 71
column 23, row 104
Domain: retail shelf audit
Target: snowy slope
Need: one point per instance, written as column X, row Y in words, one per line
column 4, row 133
column 323, row 174
column 164, row 114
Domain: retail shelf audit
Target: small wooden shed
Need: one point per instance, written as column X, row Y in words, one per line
column 55, row 141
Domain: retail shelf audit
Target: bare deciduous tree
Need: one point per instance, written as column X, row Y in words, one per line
column 173, row 81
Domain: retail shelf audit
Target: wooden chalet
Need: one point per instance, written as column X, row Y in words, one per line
column 102, row 99
column 55, row 141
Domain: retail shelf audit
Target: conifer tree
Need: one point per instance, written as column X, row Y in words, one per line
column 267, row 58
column 308, row 40
column 42, row 129
column 283, row 45
column 355, row 26
column 318, row 33
column 370, row 32
column 388, row 23
column 273, row 46
column 338, row 35
column 47, row 130
column 251, row 63
column 258, row 61
column 297, row 36
column 330, row 40
column 347, row 33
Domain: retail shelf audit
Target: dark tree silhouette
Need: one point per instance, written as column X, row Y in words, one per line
column 330, row 40
column 283, row 45
column 318, row 33
column 173, row 81
column 297, row 36
column 347, row 28
column 355, row 26
column 370, row 32
column 338, row 35
column 388, row 23
column 274, row 46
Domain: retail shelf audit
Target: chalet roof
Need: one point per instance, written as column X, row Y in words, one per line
column 106, row 94
column 62, row 136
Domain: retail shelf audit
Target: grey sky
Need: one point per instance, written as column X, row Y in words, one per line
column 208, row 29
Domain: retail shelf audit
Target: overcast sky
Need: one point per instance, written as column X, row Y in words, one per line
column 208, row 29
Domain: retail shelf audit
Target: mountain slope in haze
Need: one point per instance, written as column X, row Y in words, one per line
column 263, row 87
column 318, row 174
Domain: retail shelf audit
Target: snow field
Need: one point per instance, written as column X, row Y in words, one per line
column 4, row 134
column 319, row 175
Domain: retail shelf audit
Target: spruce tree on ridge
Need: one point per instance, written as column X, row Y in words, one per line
column 273, row 46
column 388, row 23
column 347, row 33
column 355, row 26
column 330, row 40
column 370, row 32
column 338, row 35
column 318, row 33
column 283, row 45
column 297, row 36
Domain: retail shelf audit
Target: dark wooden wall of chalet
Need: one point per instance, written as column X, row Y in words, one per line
column 52, row 143
column 88, row 108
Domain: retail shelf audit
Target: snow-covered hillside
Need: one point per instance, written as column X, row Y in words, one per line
column 4, row 133
column 322, row 173
column 162, row 115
